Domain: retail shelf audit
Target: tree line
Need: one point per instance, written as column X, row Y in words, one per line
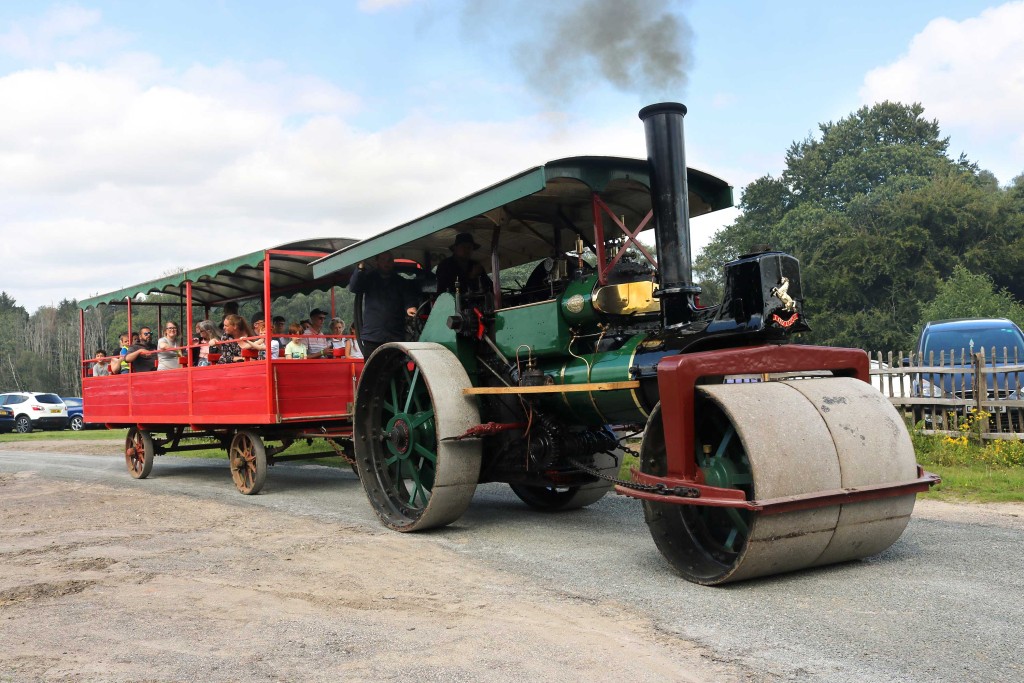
column 889, row 229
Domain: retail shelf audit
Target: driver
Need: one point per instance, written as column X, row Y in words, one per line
column 460, row 270
column 387, row 299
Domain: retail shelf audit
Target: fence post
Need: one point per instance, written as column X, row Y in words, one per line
column 980, row 381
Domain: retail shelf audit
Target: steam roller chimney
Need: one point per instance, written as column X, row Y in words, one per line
column 666, row 156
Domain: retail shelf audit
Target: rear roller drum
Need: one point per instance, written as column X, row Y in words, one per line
column 409, row 406
column 778, row 439
column 138, row 452
column 248, row 459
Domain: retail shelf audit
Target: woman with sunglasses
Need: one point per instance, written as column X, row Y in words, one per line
column 167, row 359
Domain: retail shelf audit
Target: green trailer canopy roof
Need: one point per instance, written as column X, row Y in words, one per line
column 238, row 278
column 530, row 208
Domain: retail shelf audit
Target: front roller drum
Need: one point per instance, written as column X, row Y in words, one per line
column 409, row 407
column 773, row 440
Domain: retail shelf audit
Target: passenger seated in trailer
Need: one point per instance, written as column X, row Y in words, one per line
column 352, row 349
column 206, row 333
column 235, row 328
column 316, row 343
column 461, row 270
column 230, row 308
column 337, row 346
column 260, row 345
column 296, row 348
column 141, row 356
column 101, row 368
column 118, row 365
column 281, row 329
column 168, row 359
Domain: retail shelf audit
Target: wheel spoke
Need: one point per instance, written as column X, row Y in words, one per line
column 737, row 519
column 730, row 542
column 421, row 418
column 394, row 396
column 412, row 389
column 412, row 496
column 426, row 453
column 726, row 438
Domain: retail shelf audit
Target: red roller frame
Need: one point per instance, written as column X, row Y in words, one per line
column 677, row 382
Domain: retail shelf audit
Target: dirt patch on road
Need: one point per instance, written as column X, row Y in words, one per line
column 1009, row 515
column 76, row 446
column 106, row 584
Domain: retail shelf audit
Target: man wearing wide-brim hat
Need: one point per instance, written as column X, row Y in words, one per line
column 460, row 269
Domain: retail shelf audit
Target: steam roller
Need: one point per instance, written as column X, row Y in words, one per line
column 759, row 455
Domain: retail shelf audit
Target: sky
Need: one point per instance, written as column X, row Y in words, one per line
column 141, row 137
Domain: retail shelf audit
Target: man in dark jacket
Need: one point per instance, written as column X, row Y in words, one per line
column 387, row 299
column 460, row 271
column 142, row 356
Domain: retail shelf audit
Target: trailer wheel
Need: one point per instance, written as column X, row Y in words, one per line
column 138, row 452
column 248, row 459
column 409, row 406
column 779, row 439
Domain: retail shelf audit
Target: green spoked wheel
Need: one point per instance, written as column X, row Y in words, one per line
column 780, row 439
column 138, row 452
column 409, row 407
column 248, row 459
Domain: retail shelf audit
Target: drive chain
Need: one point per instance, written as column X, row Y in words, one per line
column 660, row 489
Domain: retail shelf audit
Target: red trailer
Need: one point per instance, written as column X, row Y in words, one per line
column 255, row 409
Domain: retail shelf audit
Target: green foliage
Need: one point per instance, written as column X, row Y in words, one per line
column 966, row 295
column 878, row 215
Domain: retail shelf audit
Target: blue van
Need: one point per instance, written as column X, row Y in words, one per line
column 959, row 339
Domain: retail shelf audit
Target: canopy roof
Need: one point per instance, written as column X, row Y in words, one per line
column 240, row 277
column 530, row 208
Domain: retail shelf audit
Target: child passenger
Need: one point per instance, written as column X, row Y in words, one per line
column 101, row 368
column 296, row 347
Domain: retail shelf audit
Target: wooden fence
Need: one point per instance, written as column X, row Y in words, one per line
column 940, row 392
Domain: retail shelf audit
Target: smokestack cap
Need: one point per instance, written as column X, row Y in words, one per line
column 662, row 108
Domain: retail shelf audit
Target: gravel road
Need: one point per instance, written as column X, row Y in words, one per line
column 180, row 578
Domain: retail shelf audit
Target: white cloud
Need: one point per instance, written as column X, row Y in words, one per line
column 970, row 76
column 112, row 176
column 62, row 33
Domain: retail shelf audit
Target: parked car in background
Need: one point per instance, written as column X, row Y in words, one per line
column 33, row 409
column 959, row 340
column 6, row 420
column 75, row 419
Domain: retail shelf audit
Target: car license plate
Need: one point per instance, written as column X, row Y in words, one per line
column 54, row 410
